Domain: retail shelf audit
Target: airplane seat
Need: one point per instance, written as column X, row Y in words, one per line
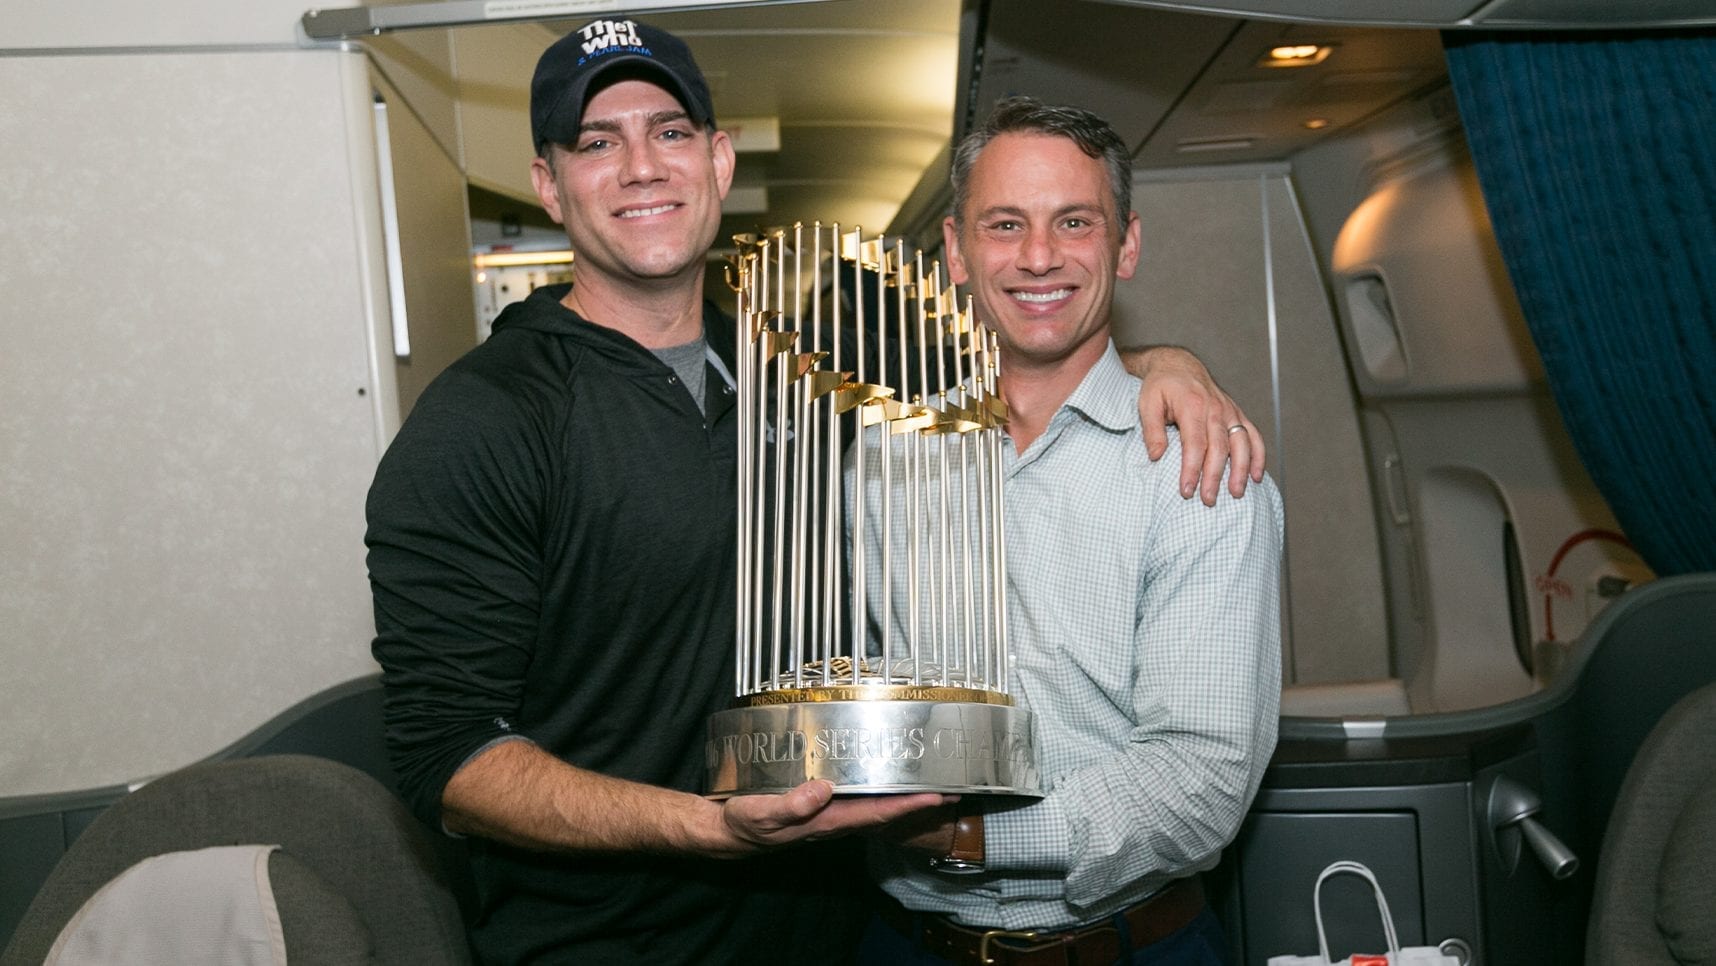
column 341, row 723
column 354, row 880
column 1652, row 637
column 1655, row 888
column 1486, row 821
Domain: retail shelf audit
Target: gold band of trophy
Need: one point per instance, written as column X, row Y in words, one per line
column 899, row 686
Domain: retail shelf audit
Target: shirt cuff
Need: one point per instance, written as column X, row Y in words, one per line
column 1036, row 838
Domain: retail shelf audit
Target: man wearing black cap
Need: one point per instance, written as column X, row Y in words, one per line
column 552, row 553
column 552, row 550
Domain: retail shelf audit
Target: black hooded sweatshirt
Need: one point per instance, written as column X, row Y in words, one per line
column 551, row 554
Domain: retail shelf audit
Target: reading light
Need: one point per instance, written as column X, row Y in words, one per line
column 1316, row 123
column 1295, row 55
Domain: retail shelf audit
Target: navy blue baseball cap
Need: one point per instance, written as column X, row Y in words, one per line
column 574, row 62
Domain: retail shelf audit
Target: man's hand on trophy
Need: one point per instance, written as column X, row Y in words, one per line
column 811, row 811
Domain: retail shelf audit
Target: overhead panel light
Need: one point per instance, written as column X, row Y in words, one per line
column 512, row 259
column 1315, row 123
column 1295, row 55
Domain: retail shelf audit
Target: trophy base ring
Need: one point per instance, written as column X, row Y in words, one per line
column 873, row 748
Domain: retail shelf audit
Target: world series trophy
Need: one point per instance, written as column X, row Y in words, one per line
column 896, row 686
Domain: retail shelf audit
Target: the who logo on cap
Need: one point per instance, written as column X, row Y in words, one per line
column 602, row 35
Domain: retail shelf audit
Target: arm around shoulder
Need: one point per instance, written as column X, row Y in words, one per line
column 1179, row 389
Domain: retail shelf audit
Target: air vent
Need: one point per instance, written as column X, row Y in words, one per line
column 1236, row 142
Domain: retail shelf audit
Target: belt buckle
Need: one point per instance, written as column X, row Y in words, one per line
column 983, row 943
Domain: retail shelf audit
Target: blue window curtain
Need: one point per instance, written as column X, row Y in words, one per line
column 1596, row 153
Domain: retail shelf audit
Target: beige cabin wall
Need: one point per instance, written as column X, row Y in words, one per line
column 1228, row 271
column 196, row 366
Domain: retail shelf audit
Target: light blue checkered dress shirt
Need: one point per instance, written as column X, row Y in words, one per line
column 1145, row 635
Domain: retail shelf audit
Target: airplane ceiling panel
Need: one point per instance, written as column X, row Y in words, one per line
column 1456, row 13
column 1187, row 89
column 1239, row 110
column 1351, row 12
column 1130, row 66
column 1604, row 13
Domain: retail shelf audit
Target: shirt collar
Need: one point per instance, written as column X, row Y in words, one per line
column 1108, row 394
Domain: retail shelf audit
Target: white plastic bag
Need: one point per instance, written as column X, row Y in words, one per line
column 1410, row 956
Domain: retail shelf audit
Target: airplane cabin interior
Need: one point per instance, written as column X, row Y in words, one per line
column 1453, row 258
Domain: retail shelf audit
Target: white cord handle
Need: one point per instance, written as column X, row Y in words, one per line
column 1359, row 869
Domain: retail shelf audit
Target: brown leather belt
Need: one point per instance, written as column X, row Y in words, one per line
column 1169, row 910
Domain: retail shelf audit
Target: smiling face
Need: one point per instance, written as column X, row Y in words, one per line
column 640, row 192
column 1040, row 245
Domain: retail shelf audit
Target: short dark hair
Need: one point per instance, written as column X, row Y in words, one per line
column 1093, row 135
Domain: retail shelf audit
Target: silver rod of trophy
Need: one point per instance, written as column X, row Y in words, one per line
column 831, row 512
column 759, row 467
column 933, row 615
column 963, row 374
column 819, row 489
column 913, row 450
column 914, row 484
column 813, row 431
column 959, row 654
column 969, row 630
column 783, row 434
column 783, row 349
column 949, row 634
column 860, row 567
column 903, row 282
column 986, row 574
column 836, row 443
column 832, row 533
column 997, row 444
column 758, row 360
column 887, row 463
column 998, row 669
column 985, row 544
column 969, row 455
column 801, row 477
column 759, row 456
column 930, row 632
column 976, row 558
column 743, row 390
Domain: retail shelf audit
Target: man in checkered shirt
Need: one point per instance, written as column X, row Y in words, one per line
column 1145, row 629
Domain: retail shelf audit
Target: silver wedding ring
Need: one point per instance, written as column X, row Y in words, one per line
column 1236, row 427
